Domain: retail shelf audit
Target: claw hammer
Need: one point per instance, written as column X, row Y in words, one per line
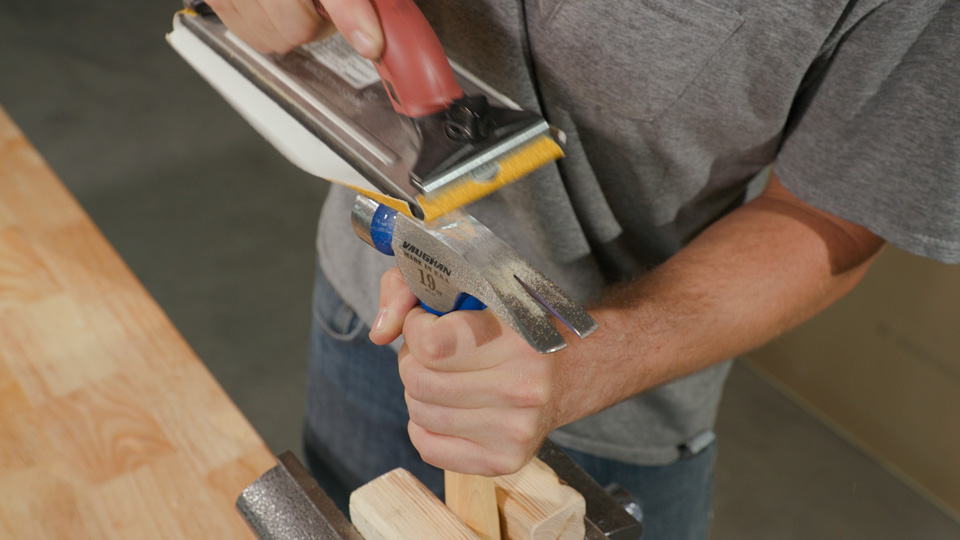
column 454, row 262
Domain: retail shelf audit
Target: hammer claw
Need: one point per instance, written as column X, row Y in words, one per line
column 561, row 306
column 527, row 316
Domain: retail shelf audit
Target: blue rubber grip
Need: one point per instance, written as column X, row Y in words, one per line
column 381, row 229
column 464, row 301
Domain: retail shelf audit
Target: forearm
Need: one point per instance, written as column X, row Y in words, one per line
column 481, row 400
column 752, row 275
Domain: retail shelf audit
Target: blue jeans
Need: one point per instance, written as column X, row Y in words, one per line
column 356, row 430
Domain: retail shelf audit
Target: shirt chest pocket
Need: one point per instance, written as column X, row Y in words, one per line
column 635, row 57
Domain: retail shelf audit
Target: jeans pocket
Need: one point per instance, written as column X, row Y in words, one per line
column 349, row 375
column 332, row 314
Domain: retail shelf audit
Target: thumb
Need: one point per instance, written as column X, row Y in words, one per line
column 358, row 22
column 396, row 301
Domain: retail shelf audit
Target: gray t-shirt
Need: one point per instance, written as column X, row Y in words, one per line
column 670, row 108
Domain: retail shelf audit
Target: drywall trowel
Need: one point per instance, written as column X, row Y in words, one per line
column 411, row 131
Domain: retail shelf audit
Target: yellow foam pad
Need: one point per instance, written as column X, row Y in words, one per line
column 513, row 166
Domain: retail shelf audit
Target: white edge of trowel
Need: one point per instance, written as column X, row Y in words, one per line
column 288, row 136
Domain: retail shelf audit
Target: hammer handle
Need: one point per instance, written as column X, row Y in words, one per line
column 473, row 499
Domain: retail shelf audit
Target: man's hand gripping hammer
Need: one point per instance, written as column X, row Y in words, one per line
column 452, row 263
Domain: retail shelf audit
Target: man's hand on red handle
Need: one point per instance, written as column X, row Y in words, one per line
column 279, row 26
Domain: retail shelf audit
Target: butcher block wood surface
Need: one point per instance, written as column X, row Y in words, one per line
column 110, row 426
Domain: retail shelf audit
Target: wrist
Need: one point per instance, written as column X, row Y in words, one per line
column 604, row 369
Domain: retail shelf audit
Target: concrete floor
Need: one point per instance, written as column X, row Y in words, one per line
column 220, row 230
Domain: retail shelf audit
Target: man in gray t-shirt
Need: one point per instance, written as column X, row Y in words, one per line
column 670, row 108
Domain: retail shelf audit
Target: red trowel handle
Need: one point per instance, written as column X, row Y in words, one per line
column 414, row 68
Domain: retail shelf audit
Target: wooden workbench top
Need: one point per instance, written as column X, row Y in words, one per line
column 110, row 427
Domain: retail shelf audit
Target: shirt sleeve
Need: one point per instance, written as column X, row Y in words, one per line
column 875, row 135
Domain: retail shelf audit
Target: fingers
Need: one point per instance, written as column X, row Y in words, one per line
column 450, row 343
column 396, row 301
column 465, row 456
column 504, row 410
column 522, row 384
column 278, row 26
column 479, row 397
column 458, row 341
column 270, row 26
column 295, row 22
column 359, row 24
column 511, row 426
column 237, row 22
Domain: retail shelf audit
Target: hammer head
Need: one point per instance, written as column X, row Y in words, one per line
column 455, row 256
